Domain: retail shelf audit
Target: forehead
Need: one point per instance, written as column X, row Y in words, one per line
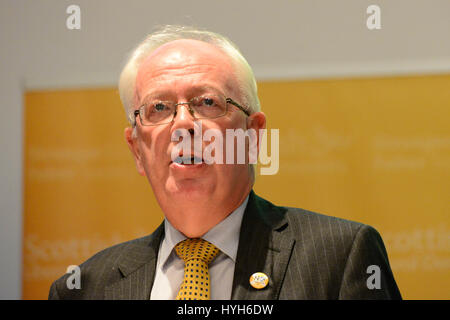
column 185, row 60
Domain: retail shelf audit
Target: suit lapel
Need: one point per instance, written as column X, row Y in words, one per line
column 265, row 245
column 138, row 269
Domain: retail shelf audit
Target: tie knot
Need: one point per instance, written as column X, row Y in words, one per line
column 196, row 248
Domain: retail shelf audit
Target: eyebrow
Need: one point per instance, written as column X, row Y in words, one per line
column 191, row 92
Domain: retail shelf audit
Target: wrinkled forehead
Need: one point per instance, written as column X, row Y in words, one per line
column 183, row 54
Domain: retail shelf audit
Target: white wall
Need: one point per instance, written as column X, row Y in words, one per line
column 281, row 39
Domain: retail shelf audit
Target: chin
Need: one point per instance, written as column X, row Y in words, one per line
column 189, row 188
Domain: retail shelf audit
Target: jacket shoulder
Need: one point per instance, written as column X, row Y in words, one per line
column 318, row 224
column 97, row 272
column 304, row 223
column 332, row 255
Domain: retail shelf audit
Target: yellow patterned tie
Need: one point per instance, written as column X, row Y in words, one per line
column 197, row 254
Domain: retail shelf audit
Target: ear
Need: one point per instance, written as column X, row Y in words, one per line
column 133, row 145
column 257, row 121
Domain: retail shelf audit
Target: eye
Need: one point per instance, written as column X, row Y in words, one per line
column 208, row 102
column 159, row 106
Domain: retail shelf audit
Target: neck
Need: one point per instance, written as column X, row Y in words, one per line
column 196, row 218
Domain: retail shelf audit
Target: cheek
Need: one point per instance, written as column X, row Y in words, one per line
column 233, row 121
column 154, row 145
column 229, row 142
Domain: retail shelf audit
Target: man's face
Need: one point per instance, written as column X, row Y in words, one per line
column 179, row 71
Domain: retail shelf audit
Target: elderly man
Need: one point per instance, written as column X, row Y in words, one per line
column 218, row 240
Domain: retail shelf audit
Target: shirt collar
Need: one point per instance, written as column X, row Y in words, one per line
column 224, row 235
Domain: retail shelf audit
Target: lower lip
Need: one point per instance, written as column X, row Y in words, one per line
column 187, row 167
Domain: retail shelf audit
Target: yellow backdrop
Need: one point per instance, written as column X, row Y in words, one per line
column 371, row 150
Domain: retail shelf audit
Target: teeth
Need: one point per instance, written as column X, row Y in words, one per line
column 178, row 160
column 197, row 160
column 188, row 160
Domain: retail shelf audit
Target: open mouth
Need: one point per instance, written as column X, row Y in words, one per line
column 188, row 160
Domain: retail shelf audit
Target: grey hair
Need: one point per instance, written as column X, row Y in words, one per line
column 247, row 82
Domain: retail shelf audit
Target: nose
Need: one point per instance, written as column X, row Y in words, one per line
column 183, row 118
column 182, row 111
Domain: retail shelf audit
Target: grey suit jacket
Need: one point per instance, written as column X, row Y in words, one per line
column 306, row 256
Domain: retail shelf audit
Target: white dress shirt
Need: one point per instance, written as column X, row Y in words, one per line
column 170, row 268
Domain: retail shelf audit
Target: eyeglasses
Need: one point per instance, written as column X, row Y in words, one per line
column 208, row 106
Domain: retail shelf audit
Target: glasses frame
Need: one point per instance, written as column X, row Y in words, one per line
column 137, row 112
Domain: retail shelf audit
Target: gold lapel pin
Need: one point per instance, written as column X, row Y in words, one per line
column 259, row 280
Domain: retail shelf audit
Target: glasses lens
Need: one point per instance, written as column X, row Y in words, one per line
column 157, row 112
column 209, row 106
